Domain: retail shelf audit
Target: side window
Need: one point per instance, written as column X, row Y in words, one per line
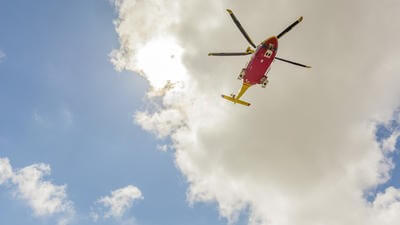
column 268, row 53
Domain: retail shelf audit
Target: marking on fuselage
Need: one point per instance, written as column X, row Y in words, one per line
column 268, row 53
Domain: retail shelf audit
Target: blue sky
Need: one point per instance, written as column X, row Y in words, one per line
column 383, row 132
column 64, row 104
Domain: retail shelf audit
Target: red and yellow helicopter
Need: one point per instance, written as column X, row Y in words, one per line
column 260, row 63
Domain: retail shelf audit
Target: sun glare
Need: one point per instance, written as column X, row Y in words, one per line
column 161, row 61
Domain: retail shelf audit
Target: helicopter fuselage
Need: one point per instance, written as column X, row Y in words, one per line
column 260, row 62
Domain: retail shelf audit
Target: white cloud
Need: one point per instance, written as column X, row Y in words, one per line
column 5, row 170
column 305, row 151
column 118, row 202
column 386, row 206
column 163, row 122
column 43, row 197
column 389, row 144
column 163, row 65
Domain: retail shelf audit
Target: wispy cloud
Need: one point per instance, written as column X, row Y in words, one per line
column 2, row 56
column 5, row 170
column 59, row 117
column 117, row 203
column 43, row 197
column 163, row 148
column 388, row 134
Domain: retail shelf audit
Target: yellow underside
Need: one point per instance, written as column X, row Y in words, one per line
column 236, row 99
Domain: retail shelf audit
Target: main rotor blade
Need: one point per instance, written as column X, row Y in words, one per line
column 294, row 63
column 229, row 53
column 290, row 27
column 236, row 21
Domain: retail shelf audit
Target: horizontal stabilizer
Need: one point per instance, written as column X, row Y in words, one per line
column 234, row 100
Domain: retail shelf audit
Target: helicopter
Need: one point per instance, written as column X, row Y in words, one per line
column 260, row 63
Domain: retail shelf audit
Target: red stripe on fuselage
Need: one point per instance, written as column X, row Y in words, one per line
column 261, row 61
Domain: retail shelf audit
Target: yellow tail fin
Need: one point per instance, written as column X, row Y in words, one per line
column 234, row 100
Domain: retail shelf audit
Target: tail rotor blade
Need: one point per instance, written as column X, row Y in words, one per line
column 236, row 21
column 290, row 27
column 229, row 53
column 291, row 62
